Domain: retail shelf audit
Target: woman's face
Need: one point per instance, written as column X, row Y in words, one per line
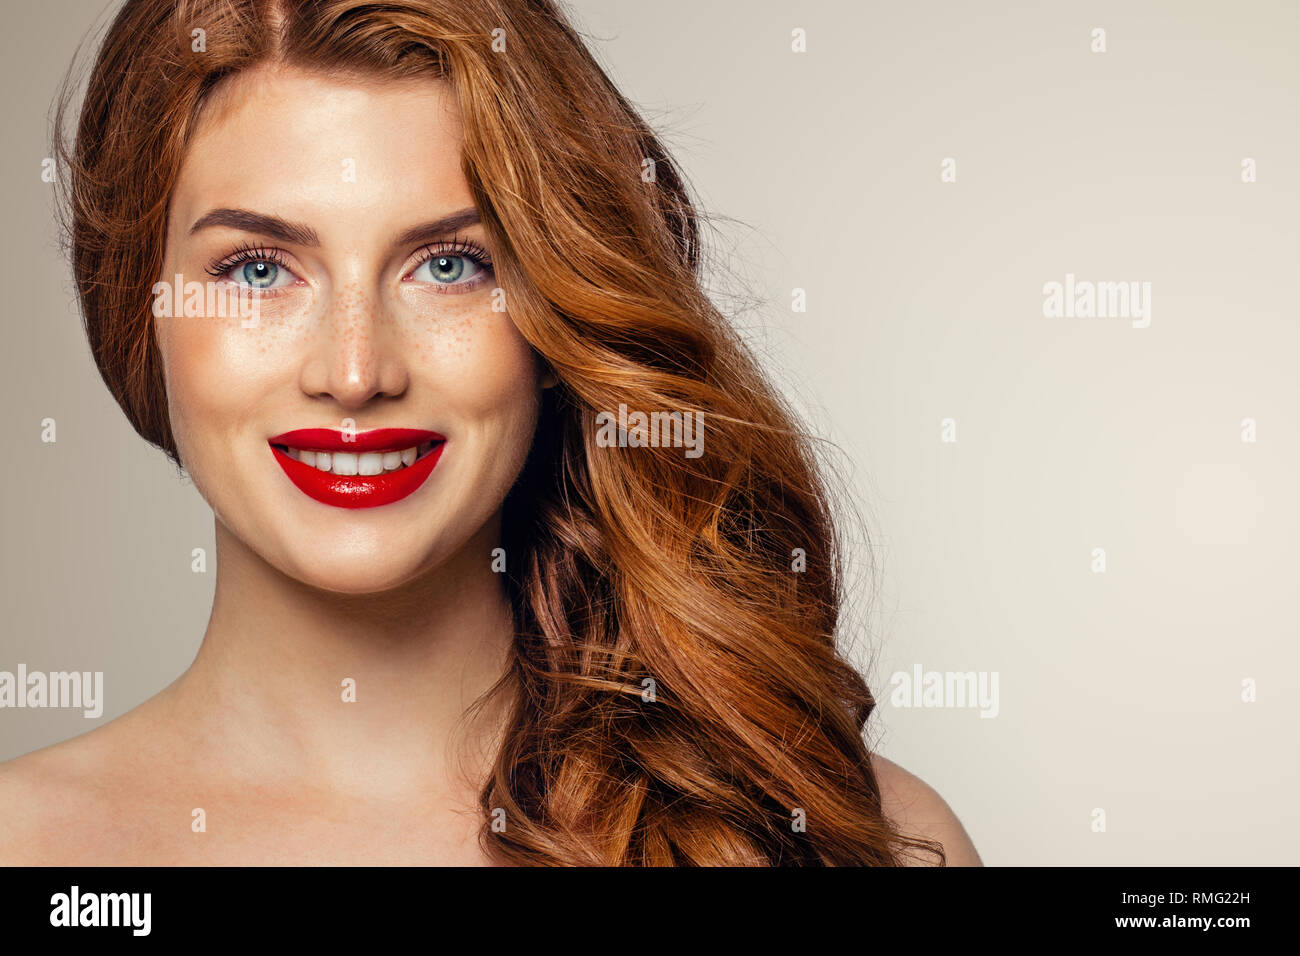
column 318, row 201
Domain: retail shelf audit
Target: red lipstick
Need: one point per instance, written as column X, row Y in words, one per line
column 328, row 465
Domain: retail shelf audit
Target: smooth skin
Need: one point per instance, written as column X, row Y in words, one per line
column 399, row 599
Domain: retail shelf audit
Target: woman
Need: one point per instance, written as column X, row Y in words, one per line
column 520, row 559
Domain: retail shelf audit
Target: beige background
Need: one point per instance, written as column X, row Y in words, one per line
column 1119, row 691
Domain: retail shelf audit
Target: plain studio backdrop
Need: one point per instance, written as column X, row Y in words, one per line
column 921, row 172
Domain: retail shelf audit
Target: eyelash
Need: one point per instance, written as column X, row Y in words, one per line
column 245, row 253
column 255, row 253
column 457, row 247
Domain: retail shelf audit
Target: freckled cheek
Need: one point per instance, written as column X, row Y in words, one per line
column 218, row 374
column 483, row 367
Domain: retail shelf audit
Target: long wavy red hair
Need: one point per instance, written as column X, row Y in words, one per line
column 679, row 695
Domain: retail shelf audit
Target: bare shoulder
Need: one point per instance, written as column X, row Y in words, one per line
column 918, row 811
column 58, row 804
column 39, row 796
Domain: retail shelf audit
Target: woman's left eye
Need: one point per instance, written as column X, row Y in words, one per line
column 447, row 270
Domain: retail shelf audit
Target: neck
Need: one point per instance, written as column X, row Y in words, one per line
column 352, row 692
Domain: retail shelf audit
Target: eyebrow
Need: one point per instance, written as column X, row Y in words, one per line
column 272, row 226
column 283, row 231
column 437, row 228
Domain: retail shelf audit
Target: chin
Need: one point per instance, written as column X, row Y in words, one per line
column 354, row 575
column 330, row 553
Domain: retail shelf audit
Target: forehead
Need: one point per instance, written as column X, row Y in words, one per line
column 289, row 140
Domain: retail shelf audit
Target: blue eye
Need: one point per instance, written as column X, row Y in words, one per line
column 260, row 274
column 447, row 270
column 253, row 267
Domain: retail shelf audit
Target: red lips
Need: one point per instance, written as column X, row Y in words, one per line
column 358, row 491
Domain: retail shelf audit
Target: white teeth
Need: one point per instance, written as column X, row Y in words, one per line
column 363, row 463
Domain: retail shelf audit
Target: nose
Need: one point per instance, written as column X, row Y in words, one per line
column 357, row 357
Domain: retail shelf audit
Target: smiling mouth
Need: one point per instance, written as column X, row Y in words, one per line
column 366, row 463
column 357, row 469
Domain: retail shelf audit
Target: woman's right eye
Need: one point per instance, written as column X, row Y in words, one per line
column 259, row 274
